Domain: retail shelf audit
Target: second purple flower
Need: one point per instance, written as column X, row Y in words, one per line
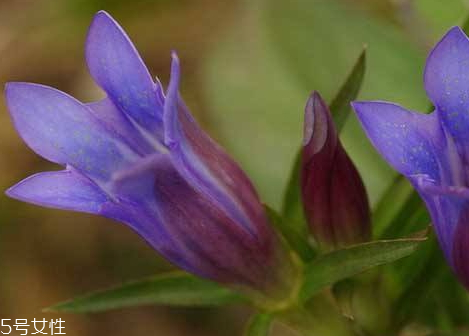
column 432, row 150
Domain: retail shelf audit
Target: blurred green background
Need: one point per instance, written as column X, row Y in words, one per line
column 248, row 67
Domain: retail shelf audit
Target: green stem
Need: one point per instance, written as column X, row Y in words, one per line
column 320, row 317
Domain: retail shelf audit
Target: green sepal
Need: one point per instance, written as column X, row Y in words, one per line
column 259, row 325
column 296, row 241
column 344, row 263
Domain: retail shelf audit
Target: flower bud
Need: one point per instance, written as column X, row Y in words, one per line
column 334, row 197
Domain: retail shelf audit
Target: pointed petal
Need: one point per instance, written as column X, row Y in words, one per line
column 334, row 197
column 447, row 81
column 205, row 165
column 409, row 141
column 117, row 121
column 67, row 189
column 117, row 67
column 62, row 130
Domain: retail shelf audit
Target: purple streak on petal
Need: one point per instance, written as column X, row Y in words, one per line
column 64, row 131
column 460, row 251
column 444, row 204
column 206, row 166
column 111, row 116
column 147, row 225
column 334, row 197
column 219, row 244
column 67, row 189
column 134, row 188
column 117, row 67
column 188, row 228
column 447, row 81
column 427, row 185
column 411, row 142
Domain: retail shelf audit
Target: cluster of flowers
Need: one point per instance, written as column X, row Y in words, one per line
column 139, row 157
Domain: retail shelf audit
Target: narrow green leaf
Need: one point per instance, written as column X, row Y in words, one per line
column 413, row 213
column 418, row 285
column 420, row 296
column 341, row 264
column 340, row 105
column 259, row 325
column 175, row 289
column 295, row 240
column 465, row 25
column 390, row 205
column 292, row 211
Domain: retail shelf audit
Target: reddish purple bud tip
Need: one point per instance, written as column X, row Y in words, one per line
column 334, row 197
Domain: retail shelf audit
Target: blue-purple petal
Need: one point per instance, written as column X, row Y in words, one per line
column 432, row 150
column 117, row 121
column 460, row 252
column 117, row 67
column 218, row 245
column 187, row 227
column 62, row 130
column 445, row 204
column 67, row 189
column 411, row 142
column 447, row 81
column 205, row 165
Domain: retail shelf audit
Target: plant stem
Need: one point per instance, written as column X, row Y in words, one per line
column 319, row 318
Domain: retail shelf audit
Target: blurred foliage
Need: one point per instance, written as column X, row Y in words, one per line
column 299, row 46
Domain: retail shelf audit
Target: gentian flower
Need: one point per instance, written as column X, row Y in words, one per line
column 334, row 197
column 432, row 150
column 139, row 157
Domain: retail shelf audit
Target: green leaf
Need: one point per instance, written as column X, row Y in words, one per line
column 295, row 240
column 417, row 285
column 259, row 325
column 465, row 24
column 420, row 298
column 175, row 289
column 390, row 205
column 292, row 210
column 400, row 204
column 341, row 264
column 288, row 59
column 340, row 105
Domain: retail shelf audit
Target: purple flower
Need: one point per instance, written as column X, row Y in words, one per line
column 432, row 150
column 139, row 157
column 334, row 197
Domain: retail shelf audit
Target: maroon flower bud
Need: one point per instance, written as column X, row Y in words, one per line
column 334, row 197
